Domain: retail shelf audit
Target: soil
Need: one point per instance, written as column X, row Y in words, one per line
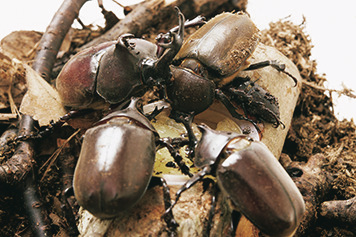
column 315, row 129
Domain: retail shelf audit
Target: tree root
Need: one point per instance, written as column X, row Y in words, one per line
column 314, row 184
column 340, row 210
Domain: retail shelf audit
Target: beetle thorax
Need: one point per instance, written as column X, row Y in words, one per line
column 195, row 66
column 236, row 144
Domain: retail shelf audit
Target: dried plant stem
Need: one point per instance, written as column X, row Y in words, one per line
column 345, row 91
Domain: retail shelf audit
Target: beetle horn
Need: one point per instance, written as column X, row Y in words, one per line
column 123, row 40
column 181, row 20
column 211, row 144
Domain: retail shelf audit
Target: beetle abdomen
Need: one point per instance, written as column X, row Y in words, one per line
column 261, row 189
column 76, row 81
column 223, row 44
column 114, row 167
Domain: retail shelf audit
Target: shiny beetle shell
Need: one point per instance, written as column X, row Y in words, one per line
column 115, row 164
column 190, row 92
column 119, row 75
column 254, row 181
column 109, row 71
column 223, row 44
column 76, row 82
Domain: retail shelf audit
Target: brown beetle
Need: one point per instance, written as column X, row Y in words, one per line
column 114, row 71
column 116, row 161
column 251, row 178
column 111, row 176
column 207, row 68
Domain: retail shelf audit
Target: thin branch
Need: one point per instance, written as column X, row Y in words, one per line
column 53, row 37
column 346, row 91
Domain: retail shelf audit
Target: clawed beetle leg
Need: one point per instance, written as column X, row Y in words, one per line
column 192, row 181
column 273, row 63
column 164, row 142
column 209, row 223
column 232, row 109
column 169, row 218
column 186, row 119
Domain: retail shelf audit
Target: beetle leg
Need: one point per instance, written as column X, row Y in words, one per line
column 154, row 113
column 197, row 177
column 68, row 211
column 273, row 63
column 232, row 109
column 186, row 119
column 197, row 21
column 168, row 218
column 67, row 161
column 176, row 156
column 209, row 223
column 48, row 129
column 235, row 219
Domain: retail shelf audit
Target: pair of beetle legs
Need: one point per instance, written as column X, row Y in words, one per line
column 235, row 215
column 200, row 176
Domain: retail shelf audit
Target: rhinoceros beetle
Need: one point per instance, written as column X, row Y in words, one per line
column 251, row 178
column 113, row 72
column 101, row 184
column 207, row 68
column 116, row 161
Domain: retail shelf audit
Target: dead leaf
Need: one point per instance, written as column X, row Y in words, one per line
column 21, row 44
column 12, row 84
column 41, row 100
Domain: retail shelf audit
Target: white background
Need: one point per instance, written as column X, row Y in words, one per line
column 331, row 25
